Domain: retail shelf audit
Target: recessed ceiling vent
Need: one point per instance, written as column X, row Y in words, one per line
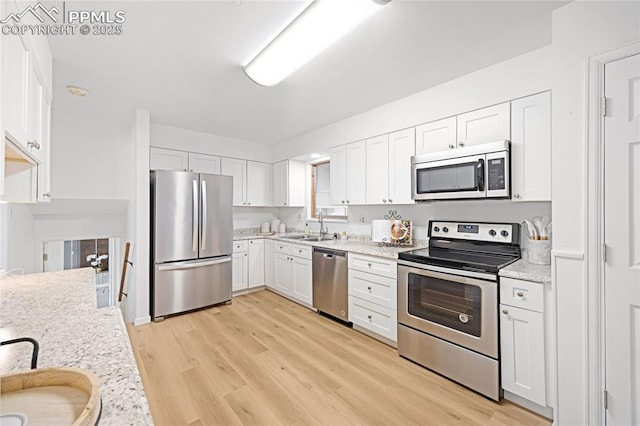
column 77, row 91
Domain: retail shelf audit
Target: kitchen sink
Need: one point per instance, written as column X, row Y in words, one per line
column 307, row 238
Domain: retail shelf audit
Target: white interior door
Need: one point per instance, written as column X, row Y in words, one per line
column 622, row 239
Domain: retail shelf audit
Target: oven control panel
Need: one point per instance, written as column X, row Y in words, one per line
column 494, row 232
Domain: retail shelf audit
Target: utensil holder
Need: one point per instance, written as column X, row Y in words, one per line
column 539, row 252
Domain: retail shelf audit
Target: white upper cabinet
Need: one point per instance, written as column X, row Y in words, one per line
column 16, row 74
column 258, row 183
column 348, row 173
column 338, row 174
column 238, row 170
column 484, row 125
column 168, row 159
column 531, row 148
column 288, row 183
column 436, row 136
column 377, row 170
column 204, row 163
column 44, row 168
column 401, row 149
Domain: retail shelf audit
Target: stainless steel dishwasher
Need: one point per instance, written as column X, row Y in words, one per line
column 330, row 290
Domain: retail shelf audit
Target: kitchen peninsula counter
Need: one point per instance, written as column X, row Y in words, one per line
column 58, row 309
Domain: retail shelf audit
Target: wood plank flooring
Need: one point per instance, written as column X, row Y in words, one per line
column 265, row 360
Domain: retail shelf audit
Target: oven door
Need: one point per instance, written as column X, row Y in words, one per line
column 461, row 310
column 449, row 179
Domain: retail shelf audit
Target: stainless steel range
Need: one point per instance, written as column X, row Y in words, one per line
column 448, row 301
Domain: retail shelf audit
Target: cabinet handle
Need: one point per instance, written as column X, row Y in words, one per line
column 451, row 146
column 504, row 311
column 251, row 242
column 245, row 255
column 33, row 144
column 460, row 143
column 342, row 201
column 47, row 194
column 347, row 201
column 369, row 316
column 185, row 170
column 369, row 265
column 520, row 294
column 369, row 288
column 191, row 170
column 384, row 200
column 516, row 195
column 390, row 200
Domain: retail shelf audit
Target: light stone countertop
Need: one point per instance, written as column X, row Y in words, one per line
column 58, row 309
column 523, row 270
column 351, row 245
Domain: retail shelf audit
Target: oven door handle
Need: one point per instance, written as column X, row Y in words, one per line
column 464, row 276
column 480, row 175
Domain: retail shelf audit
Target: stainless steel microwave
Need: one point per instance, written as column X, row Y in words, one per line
column 478, row 171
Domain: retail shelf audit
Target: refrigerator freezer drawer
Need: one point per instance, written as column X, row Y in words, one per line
column 183, row 286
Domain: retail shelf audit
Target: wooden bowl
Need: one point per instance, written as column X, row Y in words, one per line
column 52, row 396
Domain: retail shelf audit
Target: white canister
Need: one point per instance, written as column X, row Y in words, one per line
column 282, row 228
column 539, row 252
column 264, row 228
column 275, row 222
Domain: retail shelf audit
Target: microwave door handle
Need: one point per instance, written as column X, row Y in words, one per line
column 480, row 175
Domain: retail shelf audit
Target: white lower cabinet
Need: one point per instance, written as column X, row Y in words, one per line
column 293, row 272
column 523, row 340
column 269, row 263
column 373, row 295
column 248, row 264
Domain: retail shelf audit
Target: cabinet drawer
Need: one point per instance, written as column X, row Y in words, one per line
column 240, row 246
column 373, row 265
column 301, row 251
column 522, row 294
column 380, row 320
column 284, row 248
column 373, row 288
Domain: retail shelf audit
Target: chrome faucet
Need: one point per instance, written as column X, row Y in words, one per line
column 323, row 231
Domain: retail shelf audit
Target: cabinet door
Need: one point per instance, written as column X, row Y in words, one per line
column 44, row 168
column 239, row 280
column 401, row 149
column 269, row 263
column 485, row 125
column 280, row 182
column 258, row 184
column 522, row 353
column 204, row 163
column 284, row 274
column 377, row 170
column 302, row 280
column 256, row 263
column 168, row 159
column 238, row 170
column 338, row 174
column 436, row 136
column 296, row 180
column 34, row 109
column 357, row 173
column 15, row 63
column 531, row 148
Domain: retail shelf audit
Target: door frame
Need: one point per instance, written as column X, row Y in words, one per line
column 594, row 190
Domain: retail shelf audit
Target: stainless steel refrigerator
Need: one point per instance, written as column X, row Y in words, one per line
column 191, row 241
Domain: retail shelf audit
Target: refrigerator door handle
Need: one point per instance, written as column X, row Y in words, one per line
column 203, row 189
column 189, row 265
column 194, row 224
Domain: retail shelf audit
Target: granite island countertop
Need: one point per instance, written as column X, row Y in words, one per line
column 523, row 270
column 58, row 309
column 350, row 245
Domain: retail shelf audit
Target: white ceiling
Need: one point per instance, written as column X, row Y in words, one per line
column 181, row 60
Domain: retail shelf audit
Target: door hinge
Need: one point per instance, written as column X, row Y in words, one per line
column 603, row 106
column 605, row 399
column 604, row 253
column 45, row 257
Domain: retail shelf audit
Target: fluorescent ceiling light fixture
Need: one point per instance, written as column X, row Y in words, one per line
column 316, row 28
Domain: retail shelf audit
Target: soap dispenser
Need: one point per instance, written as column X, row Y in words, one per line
column 306, row 229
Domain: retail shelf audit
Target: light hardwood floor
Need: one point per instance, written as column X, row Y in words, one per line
column 266, row 360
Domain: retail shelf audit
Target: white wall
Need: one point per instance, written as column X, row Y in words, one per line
column 20, row 238
column 163, row 136
column 521, row 76
column 89, row 159
column 580, row 30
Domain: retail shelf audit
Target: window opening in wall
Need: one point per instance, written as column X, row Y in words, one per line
column 96, row 253
column 321, row 195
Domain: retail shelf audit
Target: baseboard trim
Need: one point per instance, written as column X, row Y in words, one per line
column 142, row 321
column 531, row 406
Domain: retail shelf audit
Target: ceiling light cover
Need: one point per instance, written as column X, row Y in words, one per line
column 315, row 29
column 77, row 91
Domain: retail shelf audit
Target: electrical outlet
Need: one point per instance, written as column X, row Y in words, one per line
column 362, row 219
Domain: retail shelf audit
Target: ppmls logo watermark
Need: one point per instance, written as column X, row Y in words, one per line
column 52, row 21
